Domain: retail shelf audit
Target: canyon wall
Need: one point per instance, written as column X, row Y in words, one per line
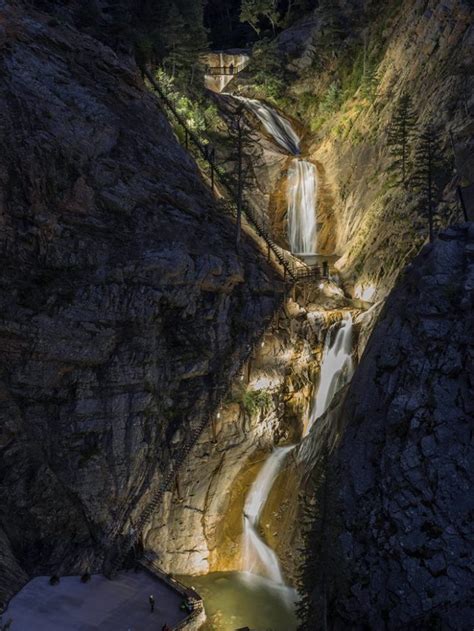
column 125, row 307
column 391, row 466
column 343, row 72
column 200, row 525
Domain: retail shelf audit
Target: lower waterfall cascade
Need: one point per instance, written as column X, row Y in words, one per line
column 336, row 367
column 258, row 557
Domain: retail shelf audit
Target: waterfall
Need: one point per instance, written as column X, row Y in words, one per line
column 279, row 128
column 301, row 196
column 336, row 366
column 258, row 557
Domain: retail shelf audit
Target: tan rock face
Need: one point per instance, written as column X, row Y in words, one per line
column 425, row 49
column 199, row 530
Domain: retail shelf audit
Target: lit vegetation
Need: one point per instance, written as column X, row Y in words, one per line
column 251, row 401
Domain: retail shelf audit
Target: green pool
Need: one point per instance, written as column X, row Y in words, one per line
column 240, row 599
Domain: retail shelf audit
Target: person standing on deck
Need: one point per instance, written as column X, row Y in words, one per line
column 151, row 600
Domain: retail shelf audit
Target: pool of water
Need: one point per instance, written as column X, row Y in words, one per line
column 240, row 599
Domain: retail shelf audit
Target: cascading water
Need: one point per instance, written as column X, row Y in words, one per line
column 276, row 125
column 258, row 557
column 336, row 367
column 302, row 179
column 301, row 195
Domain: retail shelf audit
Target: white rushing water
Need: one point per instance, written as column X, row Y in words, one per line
column 258, row 557
column 276, row 125
column 302, row 190
column 336, row 366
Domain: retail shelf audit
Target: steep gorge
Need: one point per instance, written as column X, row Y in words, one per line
column 128, row 312
column 125, row 306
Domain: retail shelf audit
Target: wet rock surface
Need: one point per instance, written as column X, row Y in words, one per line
column 394, row 531
column 125, row 307
column 200, row 526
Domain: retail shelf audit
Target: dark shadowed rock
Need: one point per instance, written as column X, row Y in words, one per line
column 395, row 540
column 122, row 297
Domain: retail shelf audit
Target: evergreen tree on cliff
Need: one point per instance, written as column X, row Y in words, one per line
column 428, row 163
column 170, row 32
column 400, row 135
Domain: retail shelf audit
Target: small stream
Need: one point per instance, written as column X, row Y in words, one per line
column 257, row 596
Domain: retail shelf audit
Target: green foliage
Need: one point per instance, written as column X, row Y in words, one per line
column 200, row 115
column 254, row 400
column 332, row 99
column 370, row 81
column 400, row 136
column 253, row 11
column 251, row 400
column 269, row 72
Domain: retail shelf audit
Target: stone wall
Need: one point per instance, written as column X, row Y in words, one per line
column 124, row 303
column 392, row 467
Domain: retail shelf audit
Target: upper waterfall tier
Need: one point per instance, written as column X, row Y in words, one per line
column 276, row 125
column 302, row 196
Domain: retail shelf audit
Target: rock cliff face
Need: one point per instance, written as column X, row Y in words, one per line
column 345, row 96
column 199, row 527
column 393, row 465
column 124, row 304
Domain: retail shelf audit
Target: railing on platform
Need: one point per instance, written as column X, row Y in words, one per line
column 223, row 178
column 223, row 71
column 167, row 483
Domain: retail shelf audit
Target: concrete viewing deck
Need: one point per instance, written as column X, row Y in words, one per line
column 118, row 605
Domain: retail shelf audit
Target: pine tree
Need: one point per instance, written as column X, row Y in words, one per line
column 331, row 99
column 332, row 21
column 174, row 28
column 428, row 161
column 400, row 135
column 370, row 81
column 184, row 38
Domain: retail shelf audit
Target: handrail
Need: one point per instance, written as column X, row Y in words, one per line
column 312, row 273
column 223, row 70
column 224, row 180
column 166, row 485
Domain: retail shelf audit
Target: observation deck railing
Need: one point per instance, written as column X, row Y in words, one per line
column 218, row 174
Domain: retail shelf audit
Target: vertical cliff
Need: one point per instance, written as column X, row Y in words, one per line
column 340, row 70
column 392, row 466
column 125, row 307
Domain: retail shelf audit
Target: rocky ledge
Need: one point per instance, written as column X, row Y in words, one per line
column 393, row 533
column 125, row 307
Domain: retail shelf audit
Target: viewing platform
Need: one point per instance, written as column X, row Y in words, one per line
column 120, row 604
